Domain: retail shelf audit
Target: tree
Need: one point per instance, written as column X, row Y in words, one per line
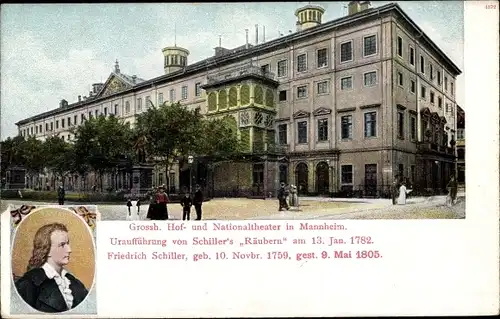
column 60, row 156
column 101, row 143
column 172, row 131
column 220, row 138
column 34, row 156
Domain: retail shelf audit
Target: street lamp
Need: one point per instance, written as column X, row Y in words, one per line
column 190, row 161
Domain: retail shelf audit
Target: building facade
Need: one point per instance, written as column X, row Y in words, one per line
column 460, row 146
column 339, row 107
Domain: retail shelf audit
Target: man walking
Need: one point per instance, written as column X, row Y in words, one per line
column 186, row 203
column 394, row 192
column 61, row 194
column 198, row 201
column 452, row 189
column 282, row 194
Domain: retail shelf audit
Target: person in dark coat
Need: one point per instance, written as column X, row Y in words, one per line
column 394, row 192
column 47, row 286
column 198, row 201
column 129, row 204
column 151, row 195
column 161, row 210
column 186, row 203
column 61, row 194
column 453, row 189
column 282, row 194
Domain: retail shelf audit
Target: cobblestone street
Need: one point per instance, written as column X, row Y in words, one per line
column 310, row 208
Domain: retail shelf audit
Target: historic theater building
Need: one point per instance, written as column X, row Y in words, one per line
column 345, row 105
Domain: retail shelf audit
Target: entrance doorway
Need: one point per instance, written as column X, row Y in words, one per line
column 322, row 178
column 301, row 173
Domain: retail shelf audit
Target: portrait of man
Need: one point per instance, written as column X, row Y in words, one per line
column 47, row 285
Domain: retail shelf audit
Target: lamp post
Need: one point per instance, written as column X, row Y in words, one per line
column 190, row 161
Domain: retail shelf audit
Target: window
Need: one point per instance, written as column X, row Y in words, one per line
column 413, row 128
column 127, row 107
column 31, row 129
column 302, row 92
column 282, row 96
column 116, row 110
column 422, row 92
column 40, row 127
column 369, row 45
column 452, row 89
column 46, row 126
column 36, row 129
column 139, row 104
column 413, row 86
column 370, row 78
column 302, row 63
column 62, row 123
column 184, row 92
column 82, row 118
column 62, row 137
column 148, row 101
column 439, row 77
column 460, row 134
column 75, row 120
column 172, row 95
column 400, row 47
column 51, row 126
column 412, row 56
column 323, row 130
column 400, row 79
column 422, row 65
column 322, row 87
column 160, row 98
column 69, row 123
column 346, row 52
column 431, row 72
column 346, row 83
column 197, row 89
column 282, row 134
column 371, row 124
column 282, row 68
column 346, row 127
column 445, row 83
column 440, row 102
column 322, row 58
column 432, row 97
column 265, row 68
column 90, row 114
column 302, row 132
column 401, row 123
column 57, row 126
column 346, row 174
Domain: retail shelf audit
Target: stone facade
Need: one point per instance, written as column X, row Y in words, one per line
column 342, row 106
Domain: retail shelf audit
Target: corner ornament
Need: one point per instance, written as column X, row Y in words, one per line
column 88, row 216
column 17, row 215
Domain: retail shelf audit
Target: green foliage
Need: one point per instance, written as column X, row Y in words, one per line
column 222, row 99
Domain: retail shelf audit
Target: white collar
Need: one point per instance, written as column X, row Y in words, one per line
column 51, row 272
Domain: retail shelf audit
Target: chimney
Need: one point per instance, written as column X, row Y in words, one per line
column 353, row 7
column 134, row 78
column 79, row 98
column 246, row 45
column 263, row 33
column 256, row 34
column 364, row 5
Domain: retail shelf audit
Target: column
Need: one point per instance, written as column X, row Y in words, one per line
column 311, row 185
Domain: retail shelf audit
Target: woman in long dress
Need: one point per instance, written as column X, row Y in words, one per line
column 403, row 191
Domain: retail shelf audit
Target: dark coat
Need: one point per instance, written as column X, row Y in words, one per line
column 282, row 193
column 186, row 202
column 198, row 198
column 61, row 193
column 43, row 294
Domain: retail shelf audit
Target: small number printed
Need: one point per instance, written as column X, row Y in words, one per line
column 368, row 254
column 491, row 6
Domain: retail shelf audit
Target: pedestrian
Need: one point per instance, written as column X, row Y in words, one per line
column 282, row 194
column 452, row 189
column 403, row 191
column 186, row 203
column 161, row 204
column 138, row 204
column 394, row 192
column 129, row 204
column 61, row 194
column 198, row 201
column 151, row 195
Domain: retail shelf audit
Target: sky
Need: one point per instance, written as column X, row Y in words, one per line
column 51, row 52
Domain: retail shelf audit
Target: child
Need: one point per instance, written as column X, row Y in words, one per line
column 186, row 203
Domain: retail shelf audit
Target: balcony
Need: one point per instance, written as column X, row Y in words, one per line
column 261, row 147
column 428, row 147
column 240, row 74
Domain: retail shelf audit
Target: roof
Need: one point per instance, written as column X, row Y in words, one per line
column 275, row 44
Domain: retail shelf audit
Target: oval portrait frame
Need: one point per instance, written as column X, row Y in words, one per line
column 82, row 264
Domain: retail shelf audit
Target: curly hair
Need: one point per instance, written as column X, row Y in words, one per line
column 42, row 244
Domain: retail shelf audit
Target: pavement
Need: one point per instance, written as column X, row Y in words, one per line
column 313, row 208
